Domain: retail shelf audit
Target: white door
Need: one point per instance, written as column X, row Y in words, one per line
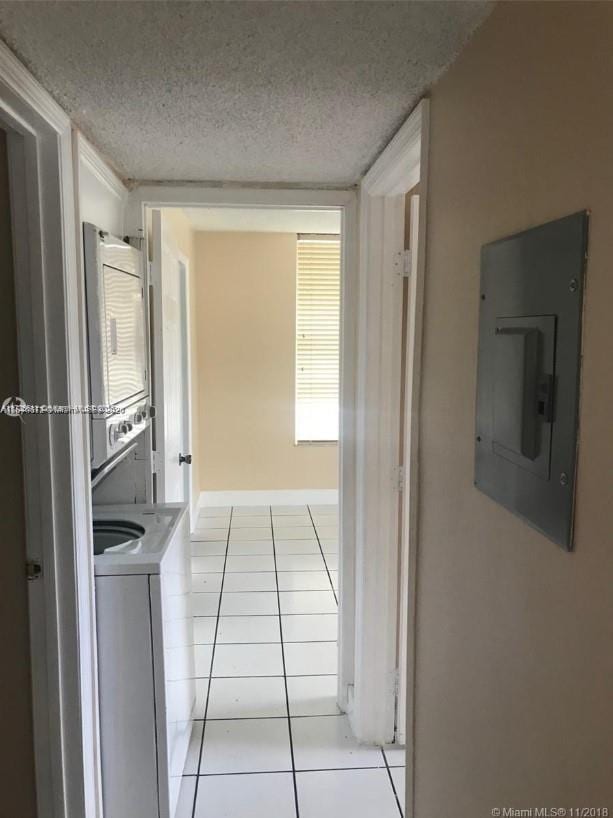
column 170, row 334
column 410, row 382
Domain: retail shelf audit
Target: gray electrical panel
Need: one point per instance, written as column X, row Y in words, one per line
column 528, row 376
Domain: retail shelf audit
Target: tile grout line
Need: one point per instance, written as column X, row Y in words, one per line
column 289, row 720
column 311, row 613
column 323, row 555
column 389, row 774
column 284, row 772
column 272, row 675
column 292, row 591
column 252, row 718
column 289, row 642
column 267, row 718
column 262, row 570
column 208, row 690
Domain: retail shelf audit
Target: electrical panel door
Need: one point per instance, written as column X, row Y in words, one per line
column 528, row 376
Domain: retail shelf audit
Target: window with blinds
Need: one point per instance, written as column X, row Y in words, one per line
column 318, row 297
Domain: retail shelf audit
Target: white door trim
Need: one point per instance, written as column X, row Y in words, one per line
column 382, row 210
column 52, row 367
column 196, row 195
column 159, row 233
column 157, row 353
column 187, row 379
column 410, row 500
column 408, row 533
column 145, row 195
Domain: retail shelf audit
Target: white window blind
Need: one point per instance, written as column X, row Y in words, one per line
column 317, row 339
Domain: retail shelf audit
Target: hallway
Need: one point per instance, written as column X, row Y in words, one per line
column 268, row 738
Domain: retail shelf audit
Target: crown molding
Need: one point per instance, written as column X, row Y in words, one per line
column 397, row 168
column 16, row 77
column 90, row 156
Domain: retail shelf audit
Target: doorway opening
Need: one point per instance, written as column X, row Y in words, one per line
column 262, row 365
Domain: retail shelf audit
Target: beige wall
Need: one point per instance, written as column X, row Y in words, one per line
column 514, row 650
column 17, row 796
column 179, row 231
column 246, row 341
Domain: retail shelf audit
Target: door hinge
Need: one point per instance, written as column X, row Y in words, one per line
column 407, row 263
column 400, row 478
column 403, row 264
column 155, row 462
column 34, row 570
column 135, row 241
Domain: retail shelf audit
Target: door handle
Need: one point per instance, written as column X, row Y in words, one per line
column 185, row 458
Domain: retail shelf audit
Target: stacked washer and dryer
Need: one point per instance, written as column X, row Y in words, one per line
column 141, row 556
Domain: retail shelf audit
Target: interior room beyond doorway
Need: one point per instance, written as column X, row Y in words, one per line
column 263, row 293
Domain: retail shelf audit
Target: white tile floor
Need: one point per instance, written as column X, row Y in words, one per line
column 268, row 739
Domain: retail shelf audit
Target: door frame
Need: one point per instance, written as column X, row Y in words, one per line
column 187, row 378
column 410, row 442
column 146, row 196
column 52, row 369
column 157, row 349
column 380, row 481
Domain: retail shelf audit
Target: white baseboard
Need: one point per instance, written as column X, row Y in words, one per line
column 269, row 497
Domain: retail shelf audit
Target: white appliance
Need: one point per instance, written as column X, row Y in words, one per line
column 117, row 337
column 145, row 655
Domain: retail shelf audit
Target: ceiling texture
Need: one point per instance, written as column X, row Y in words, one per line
column 279, row 92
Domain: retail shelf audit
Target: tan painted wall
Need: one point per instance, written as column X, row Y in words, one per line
column 514, row 650
column 181, row 234
column 16, row 750
column 246, row 340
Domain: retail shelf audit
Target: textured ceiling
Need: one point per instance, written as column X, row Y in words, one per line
column 238, row 91
column 264, row 219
